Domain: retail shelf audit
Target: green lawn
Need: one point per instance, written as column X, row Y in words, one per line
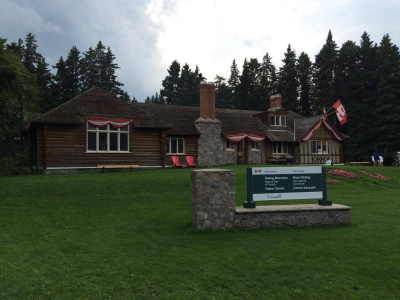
column 128, row 235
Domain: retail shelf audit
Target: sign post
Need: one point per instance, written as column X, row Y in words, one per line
column 250, row 203
column 265, row 184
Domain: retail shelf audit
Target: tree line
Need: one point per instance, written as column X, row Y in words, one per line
column 28, row 85
column 364, row 76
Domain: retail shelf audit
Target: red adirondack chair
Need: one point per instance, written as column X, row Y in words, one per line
column 175, row 162
column 190, row 162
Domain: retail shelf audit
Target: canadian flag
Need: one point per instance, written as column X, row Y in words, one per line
column 340, row 112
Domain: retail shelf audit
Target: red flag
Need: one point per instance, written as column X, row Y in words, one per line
column 340, row 112
column 325, row 113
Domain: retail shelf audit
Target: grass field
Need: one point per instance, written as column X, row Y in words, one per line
column 125, row 235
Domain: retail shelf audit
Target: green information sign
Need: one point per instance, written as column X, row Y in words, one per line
column 264, row 184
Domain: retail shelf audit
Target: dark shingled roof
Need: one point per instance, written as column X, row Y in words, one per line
column 27, row 123
column 182, row 119
column 98, row 102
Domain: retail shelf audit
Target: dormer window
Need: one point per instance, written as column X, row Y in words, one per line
column 277, row 120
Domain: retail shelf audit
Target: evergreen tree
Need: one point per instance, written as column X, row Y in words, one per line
column 348, row 84
column 134, row 99
column 287, row 81
column 17, row 89
column 44, row 83
column 98, row 68
column 267, row 81
column 170, row 84
column 185, row 93
column 254, row 99
column 364, row 102
column 304, row 72
column 73, row 69
column 30, row 56
column 60, row 84
column 234, row 79
column 89, row 70
column 223, row 94
column 108, row 76
column 125, row 96
column 241, row 93
column 385, row 122
column 17, row 49
column 325, row 68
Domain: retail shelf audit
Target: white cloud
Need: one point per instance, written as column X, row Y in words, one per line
column 213, row 33
column 146, row 36
column 26, row 16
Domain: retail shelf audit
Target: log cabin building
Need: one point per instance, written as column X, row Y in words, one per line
column 97, row 128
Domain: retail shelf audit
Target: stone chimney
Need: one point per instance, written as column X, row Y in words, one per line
column 210, row 146
column 207, row 100
column 275, row 101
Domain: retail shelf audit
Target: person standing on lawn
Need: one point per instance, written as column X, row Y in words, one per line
column 397, row 159
column 376, row 158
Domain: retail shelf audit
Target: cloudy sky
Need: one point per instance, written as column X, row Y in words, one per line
column 146, row 36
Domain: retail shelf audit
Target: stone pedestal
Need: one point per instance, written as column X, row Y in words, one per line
column 213, row 198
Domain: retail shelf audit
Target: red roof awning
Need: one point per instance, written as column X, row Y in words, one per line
column 104, row 122
column 310, row 133
column 236, row 138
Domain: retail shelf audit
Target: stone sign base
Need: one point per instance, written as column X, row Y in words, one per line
column 213, row 206
column 291, row 215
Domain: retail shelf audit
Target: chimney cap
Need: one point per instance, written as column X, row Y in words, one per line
column 203, row 82
column 276, row 96
column 211, row 83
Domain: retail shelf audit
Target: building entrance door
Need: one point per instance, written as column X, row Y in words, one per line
column 241, row 152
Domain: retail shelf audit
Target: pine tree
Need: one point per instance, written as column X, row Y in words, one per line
column 30, row 57
column 364, row 105
column 109, row 78
column 44, row 82
column 17, row 89
column 325, row 68
column 60, row 84
column 185, row 94
column 17, row 49
column 267, row 81
column 73, row 84
column 304, row 72
column 234, row 79
column 170, row 84
column 241, row 93
column 125, row 96
column 223, row 94
column 287, row 81
column 89, row 70
column 348, row 85
column 385, row 122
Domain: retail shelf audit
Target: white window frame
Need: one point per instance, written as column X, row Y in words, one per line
column 275, row 147
column 320, row 143
column 255, row 146
column 177, row 148
column 229, row 145
column 278, row 120
column 97, row 130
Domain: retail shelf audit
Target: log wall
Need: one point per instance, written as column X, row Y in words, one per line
column 191, row 144
column 65, row 146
